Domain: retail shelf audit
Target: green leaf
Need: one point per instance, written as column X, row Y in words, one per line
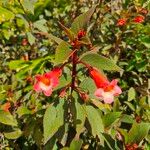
column 138, row 132
column 76, row 145
column 80, row 116
column 38, row 135
column 22, row 110
column 131, row 94
column 99, row 61
column 100, row 105
column 81, row 21
column 51, row 144
column 85, row 40
column 5, row 14
column 28, row 5
column 50, row 36
column 7, row 118
column 68, row 32
column 31, row 38
column 130, row 105
column 23, row 20
column 127, row 119
column 145, row 41
column 123, row 133
column 7, row 34
column 65, row 148
column 95, row 120
column 62, row 53
column 53, row 119
column 13, row 135
column 110, row 118
column 40, row 25
column 54, row 38
column 64, row 80
column 85, row 85
column 17, row 64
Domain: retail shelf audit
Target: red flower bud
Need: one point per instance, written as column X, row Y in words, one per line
column 81, row 34
column 62, row 93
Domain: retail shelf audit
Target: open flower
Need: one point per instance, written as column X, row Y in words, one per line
column 46, row 82
column 139, row 19
column 105, row 90
column 121, row 22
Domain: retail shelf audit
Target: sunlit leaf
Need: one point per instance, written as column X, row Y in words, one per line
column 7, row 118
column 99, row 61
column 76, row 145
column 40, row 25
column 62, row 53
column 131, row 94
column 81, row 21
column 53, row 119
column 138, row 132
column 28, row 5
column 31, row 38
column 95, row 120
column 22, row 110
column 110, row 118
column 5, row 14
column 13, row 135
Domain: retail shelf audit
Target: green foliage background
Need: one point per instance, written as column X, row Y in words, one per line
column 28, row 28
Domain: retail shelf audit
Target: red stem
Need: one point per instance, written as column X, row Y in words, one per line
column 74, row 62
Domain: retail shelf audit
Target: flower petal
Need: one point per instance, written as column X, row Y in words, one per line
column 47, row 92
column 37, row 87
column 38, row 77
column 117, row 90
column 108, row 97
column 99, row 92
column 55, row 81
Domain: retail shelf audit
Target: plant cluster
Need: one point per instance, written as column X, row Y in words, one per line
column 86, row 90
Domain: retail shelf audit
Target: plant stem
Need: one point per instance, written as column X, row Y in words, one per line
column 74, row 59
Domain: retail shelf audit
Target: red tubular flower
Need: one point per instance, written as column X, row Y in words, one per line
column 99, row 79
column 121, row 22
column 105, row 90
column 139, row 19
column 46, row 82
